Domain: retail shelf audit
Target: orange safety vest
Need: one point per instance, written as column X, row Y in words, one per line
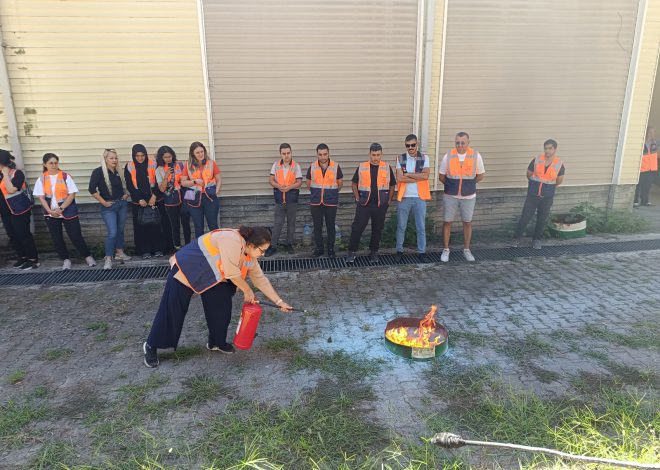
column 151, row 172
column 61, row 193
column 423, row 188
column 172, row 199
column 649, row 159
column 364, row 182
column 286, row 178
column 324, row 188
column 200, row 262
column 18, row 202
column 545, row 175
column 461, row 176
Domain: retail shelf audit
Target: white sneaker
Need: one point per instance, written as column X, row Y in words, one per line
column 444, row 257
column 467, row 254
column 122, row 256
column 90, row 261
column 66, row 265
column 108, row 263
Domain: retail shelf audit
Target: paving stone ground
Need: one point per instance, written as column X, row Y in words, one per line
column 497, row 314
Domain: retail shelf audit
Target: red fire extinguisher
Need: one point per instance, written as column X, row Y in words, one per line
column 247, row 326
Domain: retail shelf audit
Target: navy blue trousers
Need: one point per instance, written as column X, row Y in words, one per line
column 166, row 328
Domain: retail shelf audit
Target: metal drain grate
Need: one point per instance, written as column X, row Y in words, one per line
column 309, row 264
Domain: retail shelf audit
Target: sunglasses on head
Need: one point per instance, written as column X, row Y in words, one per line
column 411, row 146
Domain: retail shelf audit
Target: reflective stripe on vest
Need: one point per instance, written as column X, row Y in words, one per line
column 285, row 175
column 423, row 188
column 18, row 202
column 461, row 176
column 61, row 193
column 323, row 188
column 201, row 264
column 174, row 197
column 151, row 172
column 545, row 176
column 364, row 182
column 207, row 188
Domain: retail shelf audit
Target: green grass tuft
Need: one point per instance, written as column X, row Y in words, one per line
column 183, row 353
column 15, row 418
column 16, row 377
column 59, row 353
column 344, row 367
column 277, row 345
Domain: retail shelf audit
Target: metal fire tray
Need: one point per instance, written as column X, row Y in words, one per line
column 417, row 354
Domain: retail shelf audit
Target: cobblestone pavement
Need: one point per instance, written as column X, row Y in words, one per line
column 538, row 320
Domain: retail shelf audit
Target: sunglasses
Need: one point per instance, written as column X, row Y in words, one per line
column 411, row 146
column 460, row 144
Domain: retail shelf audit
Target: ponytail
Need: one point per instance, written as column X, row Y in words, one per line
column 255, row 235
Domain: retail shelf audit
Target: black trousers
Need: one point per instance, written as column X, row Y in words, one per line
column 534, row 204
column 319, row 214
column 166, row 328
column 178, row 219
column 74, row 232
column 148, row 238
column 18, row 231
column 166, row 228
column 362, row 216
column 185, row 223
column 644, row 187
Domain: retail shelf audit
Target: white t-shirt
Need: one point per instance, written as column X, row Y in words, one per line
column 411, row 188
column 39, row 188
column 287, row 168
column 480, row 169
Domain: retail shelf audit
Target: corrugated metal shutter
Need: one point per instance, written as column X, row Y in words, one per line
column 89, row 75
column 518, row 72
column 306, row 72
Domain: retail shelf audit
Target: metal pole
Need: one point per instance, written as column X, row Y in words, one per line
column 12, row 124
column 205, row 72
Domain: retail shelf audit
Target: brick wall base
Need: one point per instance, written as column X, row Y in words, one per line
column 494, row 208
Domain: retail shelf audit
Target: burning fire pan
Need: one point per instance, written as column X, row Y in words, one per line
column 420, row 339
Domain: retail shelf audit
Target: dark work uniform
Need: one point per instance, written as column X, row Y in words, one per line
column 643, row 188
column 18, row 226
column 327, row 213
column 148, row 239
column 537, row 204
column 370, row 211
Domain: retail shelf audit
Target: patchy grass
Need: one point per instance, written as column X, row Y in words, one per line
column 470, row 338
column 544, row 375
column 16, row 377
column 338, row 364
column 641, row 335
column 97, row 326
column 59, row 353
column 529, row 347
column 56, row 454
column 283, row 344
column 15, row 418
column 183, row 353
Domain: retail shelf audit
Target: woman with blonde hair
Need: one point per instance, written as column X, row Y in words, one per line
column 56, row 191
column 108, row 187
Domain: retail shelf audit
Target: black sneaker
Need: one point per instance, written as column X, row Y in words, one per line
column 19, row 263
column 158, row 254
column 226, row 349
column 270, row 251
column 331, row 253
column 351, row 257
column 29, row 265
column 423, row 258
column 373, row 258
column 317, row 253
column 398, row 257
column 150, row 356
column 289, row 249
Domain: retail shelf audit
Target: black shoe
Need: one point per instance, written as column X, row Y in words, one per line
column 226, row 349
column 317, row 253
column 29, row 265
column 19, row 263
column 270, row 251
column 158, row 254
column 423, row 258
column 150, row 356
column 398, row 257
column 351, row 257
column 289, row 249
column 373, row 258
column 331, row 253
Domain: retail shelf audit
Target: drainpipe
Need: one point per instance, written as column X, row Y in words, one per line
column 421, row 7
column 12, row 124
column 427, row 75
column 628, row 101
column 441, row 86
column 205, row 71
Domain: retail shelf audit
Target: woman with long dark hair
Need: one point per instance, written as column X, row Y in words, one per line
column 202, row 176
column 214, row 266
column 56, row 191
column 15, row 210
column 140, row 176
column 168, row 179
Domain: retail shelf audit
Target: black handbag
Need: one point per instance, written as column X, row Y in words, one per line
column 148, row 216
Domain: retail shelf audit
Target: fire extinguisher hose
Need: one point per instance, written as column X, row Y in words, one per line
column 271, row 304
column 452, row 441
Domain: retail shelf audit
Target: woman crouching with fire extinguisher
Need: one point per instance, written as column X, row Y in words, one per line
column 214, row 266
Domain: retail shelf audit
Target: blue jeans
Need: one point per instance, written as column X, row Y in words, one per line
column 208, row 209
column 115, row 221
column 418, row 207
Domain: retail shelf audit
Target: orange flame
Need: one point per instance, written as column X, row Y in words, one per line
column 422, row 337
